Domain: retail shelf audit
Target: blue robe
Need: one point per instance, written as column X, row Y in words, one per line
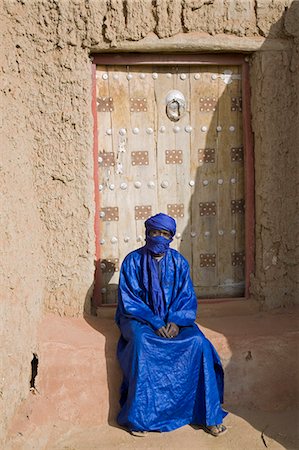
column 167, row 383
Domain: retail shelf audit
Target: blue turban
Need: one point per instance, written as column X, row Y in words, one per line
column 161, row 222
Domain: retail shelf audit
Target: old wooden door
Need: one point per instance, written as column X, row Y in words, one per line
column 191, row 169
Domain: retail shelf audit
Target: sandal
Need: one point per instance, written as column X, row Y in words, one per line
column 215, row 430
column 139, row 433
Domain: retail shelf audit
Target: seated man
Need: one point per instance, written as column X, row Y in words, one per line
column 172, row 375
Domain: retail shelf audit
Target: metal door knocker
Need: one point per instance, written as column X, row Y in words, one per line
column 175, row 105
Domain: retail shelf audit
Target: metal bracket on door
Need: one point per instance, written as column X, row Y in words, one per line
column 110, row 213
column 138, row 105
column 207, row 259
column 236, row 104
column 237, row 206
column 109, row 265
column 143, row 212
column 206, row 155
column 106, row 159
column 227, row 76
column 207, row 208
column 105, row 104
column 237, row 154
column 175, row 210
column 208, row 104
column 173, row 156
column 139, row 158
column 238, row 259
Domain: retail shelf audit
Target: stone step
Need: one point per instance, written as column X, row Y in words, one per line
column 78, row 375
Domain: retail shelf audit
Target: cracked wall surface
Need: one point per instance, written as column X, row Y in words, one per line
column 47, row 139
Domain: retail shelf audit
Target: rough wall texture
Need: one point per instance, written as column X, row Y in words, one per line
column 21, row 268
column 47, row 170
column 275, row 90
column 276, row 152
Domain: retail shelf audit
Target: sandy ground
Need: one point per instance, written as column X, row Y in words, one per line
column 259, row 430
column 78, row 382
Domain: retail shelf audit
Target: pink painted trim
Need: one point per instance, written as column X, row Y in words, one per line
column 163, row 59
column 96, row 298
column 249, row 179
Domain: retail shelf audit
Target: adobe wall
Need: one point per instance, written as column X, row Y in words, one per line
column 47, row 138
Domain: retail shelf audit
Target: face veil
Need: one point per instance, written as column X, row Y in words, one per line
column 159, row 244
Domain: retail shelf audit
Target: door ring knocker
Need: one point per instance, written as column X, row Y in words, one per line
column 175, row 105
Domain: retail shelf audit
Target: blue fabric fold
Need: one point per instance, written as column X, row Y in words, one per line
column 152, row 285
column 167, row 383
column 134, row 296
column 156, row 245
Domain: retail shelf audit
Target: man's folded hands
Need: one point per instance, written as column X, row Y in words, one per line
column 171, row 330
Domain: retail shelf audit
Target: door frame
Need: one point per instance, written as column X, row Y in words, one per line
column 136, row 59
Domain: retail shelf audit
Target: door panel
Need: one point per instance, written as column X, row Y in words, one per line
column 192, row 169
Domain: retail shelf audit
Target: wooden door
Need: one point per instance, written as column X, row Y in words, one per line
column 191, row 169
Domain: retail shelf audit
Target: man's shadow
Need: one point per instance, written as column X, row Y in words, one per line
column 111, row 333
column 106, row 327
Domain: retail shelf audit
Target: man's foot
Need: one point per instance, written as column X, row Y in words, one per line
column 215, row 430
column 139, row 433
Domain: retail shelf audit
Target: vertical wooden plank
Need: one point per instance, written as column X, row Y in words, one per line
column 96, row 297
column 238, row 171
column 194, row 237
column 95, row 154
column 143, row 139
column 181, row 172
column 224, row 173
column 203, row 89
column 249, row 178
column 106, row 179
column 230, row 184
column 122, row 142
column 120, row 124
column 163, row 83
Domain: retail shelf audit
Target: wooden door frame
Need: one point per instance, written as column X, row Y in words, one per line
column 123, row 59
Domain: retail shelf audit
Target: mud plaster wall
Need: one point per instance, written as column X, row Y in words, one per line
column 47, row 138
column 275, row 126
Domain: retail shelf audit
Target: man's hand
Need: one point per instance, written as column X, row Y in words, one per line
column 171, row 330
column 162, row 332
